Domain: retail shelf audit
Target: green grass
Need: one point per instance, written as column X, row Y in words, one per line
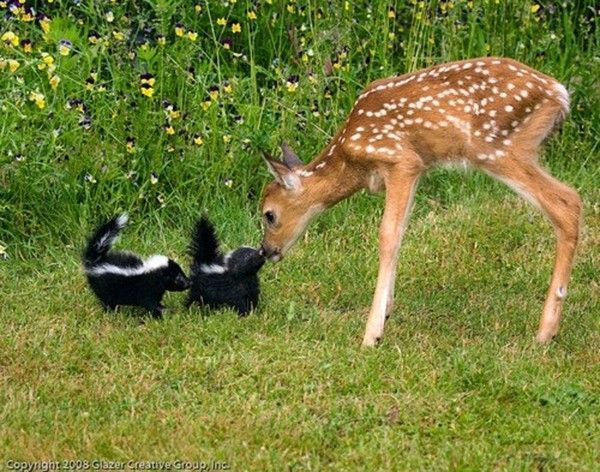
column 457, row 383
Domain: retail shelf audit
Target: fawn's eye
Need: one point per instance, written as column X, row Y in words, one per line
column 269, row 217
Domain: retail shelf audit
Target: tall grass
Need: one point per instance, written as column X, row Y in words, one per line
column 99, row 145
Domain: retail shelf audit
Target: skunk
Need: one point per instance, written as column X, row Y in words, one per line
column 222, row 281
column 123, row 278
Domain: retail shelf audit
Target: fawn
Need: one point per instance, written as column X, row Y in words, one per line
column 490, row 113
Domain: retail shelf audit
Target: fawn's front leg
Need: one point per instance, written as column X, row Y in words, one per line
column 400, row 188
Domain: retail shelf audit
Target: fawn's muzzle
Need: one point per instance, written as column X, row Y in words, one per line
column 272, row 254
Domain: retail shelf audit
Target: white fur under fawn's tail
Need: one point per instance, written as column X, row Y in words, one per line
column 562, row 96
column 102, row 239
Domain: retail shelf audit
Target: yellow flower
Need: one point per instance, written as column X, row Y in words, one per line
column 47, row 60
column 251, row 15
column 292, row 87
column 119, row 36
column 214, row 94
column 174, row 114
column 38, row 98
column 130, row 146
column 54, row 81
column 64, row 49
column 147, row 90
column 153, row 178
column 26, row 44
column 161, row 40
column 192, row 35
column 179, row 30
column 45, row 25
column 534, row 8
column 27, row 16
column 110, row 17
column 226, row 138
column 198, row 8
column 170, row 130
column 13, row 65
column 228, row 88
column 391, row 13
column 10, row 38
column 291, row 9
column 198, row 140
column 236, row 28
column 221, row 21
column 206, row 104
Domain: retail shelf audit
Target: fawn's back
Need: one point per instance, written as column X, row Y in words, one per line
column 475, row 109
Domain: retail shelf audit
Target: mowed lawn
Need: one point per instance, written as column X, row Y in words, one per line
column 457, row 382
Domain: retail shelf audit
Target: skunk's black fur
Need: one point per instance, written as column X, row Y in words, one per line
column 222, row 281
column 123, row 278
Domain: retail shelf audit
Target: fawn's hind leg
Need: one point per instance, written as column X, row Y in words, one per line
column 562, row 206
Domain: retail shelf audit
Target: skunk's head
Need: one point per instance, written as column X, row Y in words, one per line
column 244, row 261
column 177, row 281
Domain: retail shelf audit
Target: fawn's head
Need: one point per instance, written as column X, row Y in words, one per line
column 288, row 205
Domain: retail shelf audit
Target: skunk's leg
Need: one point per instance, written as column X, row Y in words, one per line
column 243, row 307
column 157, row 311
column 155, row 307
column 110, row 307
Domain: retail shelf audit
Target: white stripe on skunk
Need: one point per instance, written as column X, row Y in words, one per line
column 151, row 264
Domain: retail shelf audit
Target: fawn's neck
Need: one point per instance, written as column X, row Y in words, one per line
column 330, row 178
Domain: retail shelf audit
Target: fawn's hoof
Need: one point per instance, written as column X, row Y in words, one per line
column 371, row 340
column 544, row 337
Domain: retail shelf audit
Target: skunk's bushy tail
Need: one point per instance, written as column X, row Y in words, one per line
column 102, row 240
column 204, row 247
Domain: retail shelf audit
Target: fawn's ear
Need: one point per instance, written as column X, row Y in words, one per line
column 282, row 173
column 290, row 158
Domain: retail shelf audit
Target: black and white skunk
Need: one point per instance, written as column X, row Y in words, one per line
column 223, row 280
column 123, row 278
